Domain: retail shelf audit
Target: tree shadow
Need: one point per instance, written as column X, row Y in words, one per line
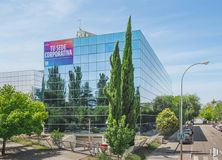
column 25, row 153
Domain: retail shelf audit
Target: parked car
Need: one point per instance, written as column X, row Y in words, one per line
column 188, row 136
column 219, row 127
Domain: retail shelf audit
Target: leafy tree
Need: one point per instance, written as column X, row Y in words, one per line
column 102, row 100
column 113, row 89
column 167, row 122
column 191, row 105
column 129, row 106
column 75, row 78
column 54, row 96
column 55, row 88
column 218, row 110
column 118, row 135
column 86, row 94
column 19, row 114
column 208, row 113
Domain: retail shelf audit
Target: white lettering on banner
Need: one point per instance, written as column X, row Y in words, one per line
column 58, row 53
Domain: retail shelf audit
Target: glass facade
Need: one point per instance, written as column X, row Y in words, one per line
column 78, row 88
column 29, row 81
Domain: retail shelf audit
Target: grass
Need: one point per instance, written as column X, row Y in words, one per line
column 145, row 151
column 153, row 145
column 25, row 141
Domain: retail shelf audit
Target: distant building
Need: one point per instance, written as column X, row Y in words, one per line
column 77, row 69
column 27, row 81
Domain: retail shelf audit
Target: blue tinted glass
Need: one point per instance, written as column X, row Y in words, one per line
column 121, row 46
column 100, row 39
column 84, row 41
column 77, row 59
column 85, row 76
column 101, row 66
column 101, row 48
column 136, row 53
column 93, row 84
column 77, row 42
column 135, row 35
column 136, row 63
column 92, row 66
column 136, row 44
column 84, row 50
column 108, row 66
column 92, row 49
column 92, row 40
column 100, row 57
column 108, row 56
column 109, row 38
column 119, row 36
column 109, row 47
column 85, row 67
column 92, row 57
column 92, row 75
column 84, row 58
column 77, row 51
column 136, row 72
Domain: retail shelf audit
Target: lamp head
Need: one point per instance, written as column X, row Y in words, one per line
column 206, row 62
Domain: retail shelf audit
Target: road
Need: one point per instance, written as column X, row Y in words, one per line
column 206, row 141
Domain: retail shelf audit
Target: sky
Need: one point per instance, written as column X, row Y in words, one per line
column 180, row 32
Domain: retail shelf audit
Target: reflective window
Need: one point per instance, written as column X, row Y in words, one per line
column 92, row 57
column 92, row 49
column 101, row 48
column 110, row 47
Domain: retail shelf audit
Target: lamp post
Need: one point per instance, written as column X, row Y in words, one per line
column 181, row 107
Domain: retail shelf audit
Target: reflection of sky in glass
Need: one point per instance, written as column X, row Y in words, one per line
column 92, row 54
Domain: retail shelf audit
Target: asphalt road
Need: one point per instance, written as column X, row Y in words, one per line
column 206, row 141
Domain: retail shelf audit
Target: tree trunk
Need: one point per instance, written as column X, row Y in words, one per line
column 3, row 146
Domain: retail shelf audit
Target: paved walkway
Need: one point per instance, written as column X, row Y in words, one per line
column 167, row 151
column 17, row 151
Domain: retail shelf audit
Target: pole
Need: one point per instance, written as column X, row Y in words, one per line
column 181, row 107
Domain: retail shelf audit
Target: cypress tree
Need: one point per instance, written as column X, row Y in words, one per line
column 127, row 80
column 113, row 89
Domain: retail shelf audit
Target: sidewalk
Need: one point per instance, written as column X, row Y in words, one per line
column 167, row 151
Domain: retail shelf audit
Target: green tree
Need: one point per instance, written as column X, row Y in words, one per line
column 208, row 113
column 129, row 107
column 113, row 89
column 167, row 122
column 19, row 114
column 86, row 94
column 55, row 93
column 54, row 98
column 118, row 135
column 102, row 100
column 75, row 78
column 218, row 110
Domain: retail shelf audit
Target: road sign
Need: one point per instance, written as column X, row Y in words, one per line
column 180, row 136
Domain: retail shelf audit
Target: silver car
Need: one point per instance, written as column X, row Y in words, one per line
column 188, row 136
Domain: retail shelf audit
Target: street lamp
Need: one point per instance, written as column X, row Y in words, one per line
column 181, row 107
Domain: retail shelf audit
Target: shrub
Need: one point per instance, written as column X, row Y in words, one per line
column 167, row 122
column 103, row 156
column 56, row 136
column 132, row 157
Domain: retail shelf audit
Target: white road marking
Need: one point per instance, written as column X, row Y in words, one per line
column 195, row 158
column 205, row 158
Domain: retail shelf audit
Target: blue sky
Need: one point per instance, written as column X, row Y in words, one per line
column 180, row 32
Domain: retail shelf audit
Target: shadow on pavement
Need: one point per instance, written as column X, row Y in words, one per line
column 22, row 153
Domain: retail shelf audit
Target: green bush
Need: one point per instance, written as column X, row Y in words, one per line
column 132, row 157
column 167, row 122
column 56, row 136
column 103, row 156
